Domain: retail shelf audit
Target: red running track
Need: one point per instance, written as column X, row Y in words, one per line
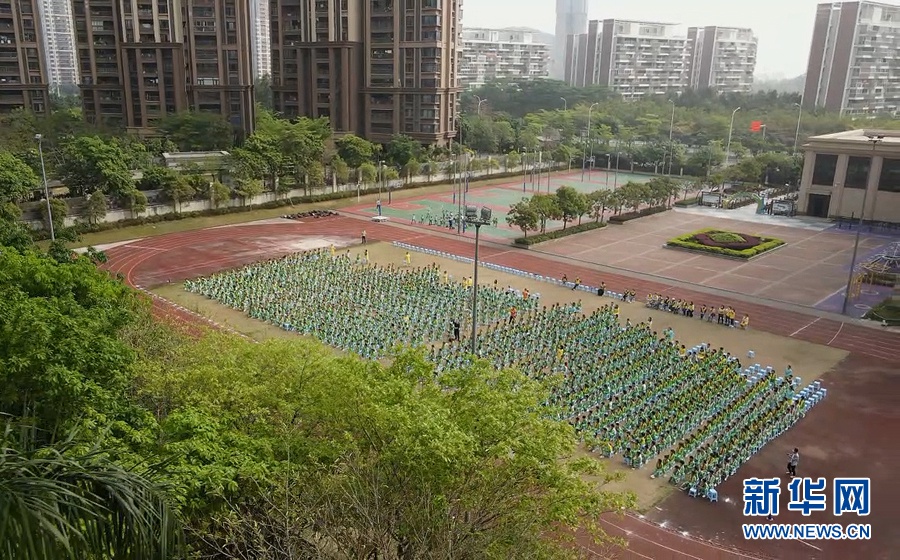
column 144, row 262
column 153, row 261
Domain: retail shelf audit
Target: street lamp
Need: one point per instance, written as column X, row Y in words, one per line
column 728, row 145
column 671, row 129
column 474, row 218
column 799, row 117
column 524, row 168
column 381, row 182
column 565, row 104
column 40, row 139
column 590, row 138
column 874, row 139
column 480, row 101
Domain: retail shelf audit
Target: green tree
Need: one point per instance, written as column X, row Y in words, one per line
column 96, row 208
column 17, row 180
column 600, row 201
column 135, row 201
column 341, row 170
column 355, row 150
column 91, row 163
column 411, row 169
column 173, row 186
column 59, row 211
column 662, row 189
column 218, row 193
column 523, row 216
column 197, row 131
column 512, row 160
column 262, row 92
column 62, row 501
column 368, row 173
column 401, row 149
column 571, row 203
column 546, row 208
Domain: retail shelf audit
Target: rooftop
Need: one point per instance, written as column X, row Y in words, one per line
column 859, row 136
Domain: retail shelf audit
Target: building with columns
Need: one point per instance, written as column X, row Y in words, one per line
column 839, row 168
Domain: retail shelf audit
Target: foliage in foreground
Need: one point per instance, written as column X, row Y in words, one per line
column 689, row 241
column 272, row 450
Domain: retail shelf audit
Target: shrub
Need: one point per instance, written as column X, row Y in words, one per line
column 687, row 202
column 887, row 311
column 725, row 243
column 620, row 219
column 556, row 234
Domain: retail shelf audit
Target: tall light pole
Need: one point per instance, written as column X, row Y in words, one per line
column 459, row 194
column 480, row 101
column 671, row 129
column 473, row 218
column 40, row 139
column 728, row 145
column 590, row 138
column 381, row 182
column 565, row 104
column 524, row 168
column 799, row 117
column 874, row 139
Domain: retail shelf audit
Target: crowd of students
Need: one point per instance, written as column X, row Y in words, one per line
column 627, row 389
column 723, row 314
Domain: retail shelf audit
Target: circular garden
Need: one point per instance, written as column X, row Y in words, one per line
column 725, row 243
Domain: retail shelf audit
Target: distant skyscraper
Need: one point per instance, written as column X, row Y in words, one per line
column 571, row 19
column 261, row 38
column 722, row 58
column 491, row 54
column 634, row 58
column 853, row 59
column 59, row 42
column 23, row 65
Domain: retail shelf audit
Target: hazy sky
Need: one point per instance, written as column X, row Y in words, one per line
column 784, row 27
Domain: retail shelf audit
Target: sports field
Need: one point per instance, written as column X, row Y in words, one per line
column 435, row 208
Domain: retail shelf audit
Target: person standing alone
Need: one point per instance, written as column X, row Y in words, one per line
column 793, row 461
column 363, row 236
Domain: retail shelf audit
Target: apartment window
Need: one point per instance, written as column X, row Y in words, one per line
column 428, row 128
column 431, row 35
column 824, row 169
column 429, row 21
column 429, row 83
column 890, row 176
column 857, row 172
column 382, row 53
column 429, row 99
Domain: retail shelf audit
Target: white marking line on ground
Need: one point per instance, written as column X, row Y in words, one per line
column 840, row 328
column 804, row 327
column 703, row 542
column 829, row 296
column 809, row 545
column 651, row 541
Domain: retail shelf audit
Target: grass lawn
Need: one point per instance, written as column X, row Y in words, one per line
column 725, row 243
column 188, row 224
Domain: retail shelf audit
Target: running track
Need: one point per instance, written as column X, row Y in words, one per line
column 145, row 263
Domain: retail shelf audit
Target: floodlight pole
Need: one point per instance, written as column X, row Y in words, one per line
column 40, row 139
column 874, row 140
column 477, row 222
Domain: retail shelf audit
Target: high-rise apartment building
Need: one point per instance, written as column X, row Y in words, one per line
column 59, row 43
column 261, row 39
column 23, row 67
column 634, row 58
column 141, row 60
column 490, row 54
column 853, row 62
column 571, row 19
column 373, row 67
column 722, row 58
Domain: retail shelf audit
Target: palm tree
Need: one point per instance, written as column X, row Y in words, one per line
column 65, row 502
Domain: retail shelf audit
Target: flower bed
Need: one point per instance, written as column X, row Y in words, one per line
column 620, row 219
column 725, row 243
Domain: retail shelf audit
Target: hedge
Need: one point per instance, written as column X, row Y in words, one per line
column 686, row 242
column 556, row 234
column 85, row 227
column 620, row 219
column 687, row 202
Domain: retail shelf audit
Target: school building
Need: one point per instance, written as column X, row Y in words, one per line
column 840, row 168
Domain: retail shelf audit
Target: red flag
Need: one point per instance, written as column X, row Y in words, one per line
column 756, row 126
